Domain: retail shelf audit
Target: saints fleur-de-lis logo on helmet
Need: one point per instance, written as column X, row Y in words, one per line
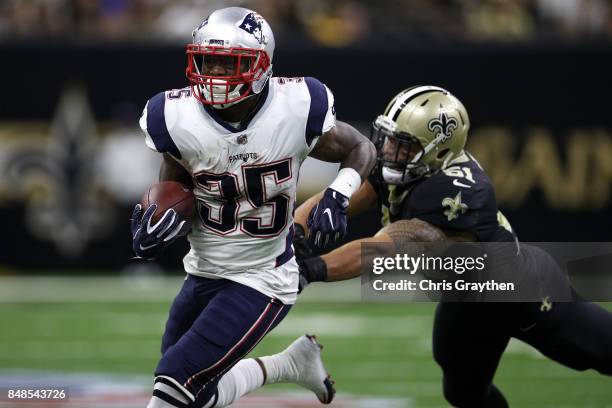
column 444, row 126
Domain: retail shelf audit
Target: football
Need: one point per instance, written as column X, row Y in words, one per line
column 169, row 194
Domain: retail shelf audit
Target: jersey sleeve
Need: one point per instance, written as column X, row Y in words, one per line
column 449, row 203
column 322, row 112
column 154, row 124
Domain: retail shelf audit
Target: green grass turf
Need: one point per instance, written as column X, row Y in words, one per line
column 373, row 349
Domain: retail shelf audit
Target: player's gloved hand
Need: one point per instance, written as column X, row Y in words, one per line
column 311, row 270
column 148, row 240
column 327, row 220
column 301, row 246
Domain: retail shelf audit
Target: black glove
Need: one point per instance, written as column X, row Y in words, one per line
column 327, row 220
column 311, row 270
column 301, row 246
column 148, row 240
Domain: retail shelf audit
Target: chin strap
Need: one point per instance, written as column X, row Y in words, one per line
column 256, row 89
column 211, row 96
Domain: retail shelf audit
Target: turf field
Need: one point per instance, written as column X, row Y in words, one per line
column 114, row 325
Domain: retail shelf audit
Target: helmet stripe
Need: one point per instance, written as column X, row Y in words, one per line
column 404, row 99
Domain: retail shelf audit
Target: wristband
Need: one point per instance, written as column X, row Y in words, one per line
column 347, row 182
column 314, row 269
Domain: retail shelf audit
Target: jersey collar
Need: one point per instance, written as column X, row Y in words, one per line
column 245, row 123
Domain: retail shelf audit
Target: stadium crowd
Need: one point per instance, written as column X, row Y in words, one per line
column 334, row 23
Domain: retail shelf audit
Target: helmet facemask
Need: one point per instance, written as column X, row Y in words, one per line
column 222, row 77
column 400, row 154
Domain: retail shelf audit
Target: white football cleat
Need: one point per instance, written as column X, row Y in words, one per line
column 305, row 354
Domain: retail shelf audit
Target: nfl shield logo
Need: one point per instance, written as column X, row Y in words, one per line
column 242, row 139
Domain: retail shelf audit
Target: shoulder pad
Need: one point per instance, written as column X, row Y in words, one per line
column 444, row 184
column 155, row 124
column 453, row 202
column 321, row 115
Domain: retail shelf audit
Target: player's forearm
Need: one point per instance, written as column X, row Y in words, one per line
column 361, row 158
column 345, row 262
column 407, row 236
column 346, row 145
column 359, row 152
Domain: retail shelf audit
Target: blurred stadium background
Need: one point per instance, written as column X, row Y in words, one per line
column 75, row 310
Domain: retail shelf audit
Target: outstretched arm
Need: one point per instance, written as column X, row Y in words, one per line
column 345, row 262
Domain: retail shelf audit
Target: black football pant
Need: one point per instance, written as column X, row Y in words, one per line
column 469, row 339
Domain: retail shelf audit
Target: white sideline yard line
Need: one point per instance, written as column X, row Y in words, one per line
column 135, row 289
column 335, row 325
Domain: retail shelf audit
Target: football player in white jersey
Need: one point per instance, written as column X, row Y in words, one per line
column 238, row 136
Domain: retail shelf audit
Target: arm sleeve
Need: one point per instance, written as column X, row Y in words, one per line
column 322, row 111
column 153, row 124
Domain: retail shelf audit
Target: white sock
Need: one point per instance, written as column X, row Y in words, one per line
column 279, row 368
column 244, row 377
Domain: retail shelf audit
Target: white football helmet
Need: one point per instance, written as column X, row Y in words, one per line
column 230, row 58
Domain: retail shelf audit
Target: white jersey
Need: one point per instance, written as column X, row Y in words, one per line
column 245, row 178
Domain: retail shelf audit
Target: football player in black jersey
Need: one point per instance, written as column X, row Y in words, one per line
column 430, row 189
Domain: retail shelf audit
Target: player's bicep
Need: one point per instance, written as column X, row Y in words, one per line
column 405, row 232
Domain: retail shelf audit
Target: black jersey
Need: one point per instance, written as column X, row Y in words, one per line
column 459, row 197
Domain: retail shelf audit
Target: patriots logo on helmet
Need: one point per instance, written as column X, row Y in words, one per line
column 202, row 24
column 252, row 24
column 444, row 125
